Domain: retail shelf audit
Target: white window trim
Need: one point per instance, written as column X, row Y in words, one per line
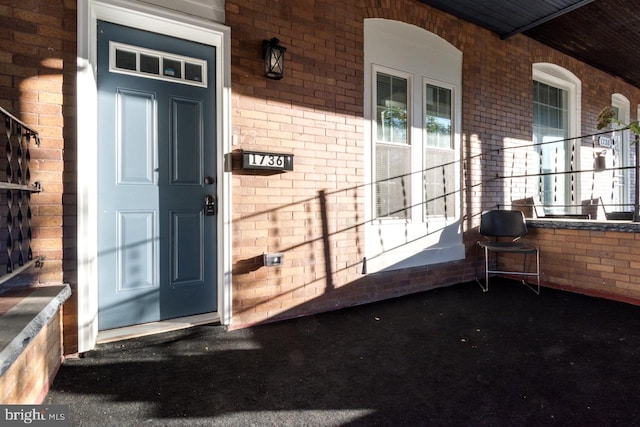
column 389, row 245
column 114, row 47
column 410, row 139
column 455, row 143
column 623, row 105
column 559, row 77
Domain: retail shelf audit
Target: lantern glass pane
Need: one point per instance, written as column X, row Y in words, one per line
column 273, row 60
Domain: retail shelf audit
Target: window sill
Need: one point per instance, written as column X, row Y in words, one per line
column 400, row 260
column 585, row 224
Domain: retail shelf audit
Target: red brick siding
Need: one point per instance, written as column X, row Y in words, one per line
column 598, row 263
column 315, row 213
column 37, row 80
column 28, row 378
column 316, row 113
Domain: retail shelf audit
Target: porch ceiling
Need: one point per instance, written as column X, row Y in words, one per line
column 601, row 33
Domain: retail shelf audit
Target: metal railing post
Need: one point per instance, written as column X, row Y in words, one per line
column 636, row 202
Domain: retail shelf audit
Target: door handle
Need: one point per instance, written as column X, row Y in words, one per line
column 210, row 205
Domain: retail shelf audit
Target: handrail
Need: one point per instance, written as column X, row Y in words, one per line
column 36, row 261
column 10, row 116
column 15, row 223
column 577, row 172
column 555, row 141
column 569, row 172
column 34, row 188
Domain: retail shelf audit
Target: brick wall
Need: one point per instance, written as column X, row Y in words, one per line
column 28, row 379
column 315, row 214
column 315, row 112
column 37, row 78
column 597, row 262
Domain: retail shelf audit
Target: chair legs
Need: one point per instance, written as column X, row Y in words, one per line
column 487, row 272
column 537, row 273
column 485, row 287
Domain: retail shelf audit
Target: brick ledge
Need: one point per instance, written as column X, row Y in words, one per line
column 589, row 225
column 20, row 324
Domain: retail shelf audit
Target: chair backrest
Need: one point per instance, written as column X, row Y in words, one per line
column 503, row 223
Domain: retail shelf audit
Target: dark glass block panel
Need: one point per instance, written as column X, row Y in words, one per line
column 125, row 60
column 149, row 64
column 172, row 68
column 193, row 72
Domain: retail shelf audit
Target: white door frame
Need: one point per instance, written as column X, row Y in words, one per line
column 145, row 17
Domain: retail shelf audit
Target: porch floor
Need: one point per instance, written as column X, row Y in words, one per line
column 451, row 356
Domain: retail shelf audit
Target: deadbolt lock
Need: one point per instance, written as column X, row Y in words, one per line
column 210, row 205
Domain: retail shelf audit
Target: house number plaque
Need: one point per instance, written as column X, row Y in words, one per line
column 270, row 161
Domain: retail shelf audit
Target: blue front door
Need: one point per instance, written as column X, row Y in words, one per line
column 156, row 177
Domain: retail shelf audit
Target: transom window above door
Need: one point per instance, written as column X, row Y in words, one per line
column 153, row 64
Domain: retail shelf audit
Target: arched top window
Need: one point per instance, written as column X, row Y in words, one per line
column 413, row 81
column 556, row 119
column 559, row 77
column 621, row 155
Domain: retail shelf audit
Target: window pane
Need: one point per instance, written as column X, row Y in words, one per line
column 616, row 112
column 149, row 64
column 125, row 60
column 193, row 72
column 438, row 115
column 550, row 123
column 393, row 153
column 172, row 68
column 393, row 181
column 391, row 108
column 439, row 183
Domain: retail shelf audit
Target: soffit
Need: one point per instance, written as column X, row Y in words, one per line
column 601, row 33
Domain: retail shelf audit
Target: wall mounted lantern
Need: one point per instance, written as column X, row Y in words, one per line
column 600, row 162
column 273, row 59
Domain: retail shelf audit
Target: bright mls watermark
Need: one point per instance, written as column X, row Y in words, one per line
column 34, row 415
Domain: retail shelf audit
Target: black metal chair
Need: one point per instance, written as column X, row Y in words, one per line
column 496, row 226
